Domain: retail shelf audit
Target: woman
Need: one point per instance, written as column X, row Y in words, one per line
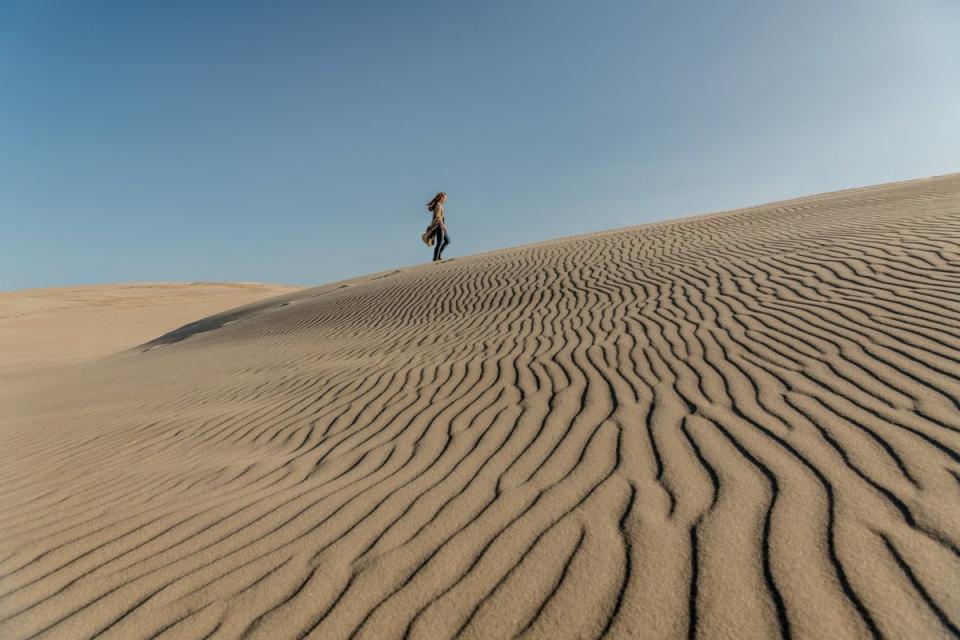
column 436, row 233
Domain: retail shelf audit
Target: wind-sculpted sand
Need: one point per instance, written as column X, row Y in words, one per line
column 743, row 425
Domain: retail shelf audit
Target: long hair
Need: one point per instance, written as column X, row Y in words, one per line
column 432, row 205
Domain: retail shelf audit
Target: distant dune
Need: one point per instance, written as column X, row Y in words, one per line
column 54, row 326
column 742, row 425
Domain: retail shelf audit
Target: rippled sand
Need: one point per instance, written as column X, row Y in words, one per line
column 743, row 425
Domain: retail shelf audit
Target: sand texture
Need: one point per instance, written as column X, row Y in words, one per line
column 742, row 425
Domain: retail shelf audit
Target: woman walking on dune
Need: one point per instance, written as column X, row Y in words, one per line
column 436, row 234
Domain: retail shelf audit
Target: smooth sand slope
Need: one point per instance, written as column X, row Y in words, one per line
column 743, row 425
column 41, row 327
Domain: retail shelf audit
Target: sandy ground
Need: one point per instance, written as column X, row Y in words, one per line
column 743, row 425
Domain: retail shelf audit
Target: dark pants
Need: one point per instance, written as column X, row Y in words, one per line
column 440, row 241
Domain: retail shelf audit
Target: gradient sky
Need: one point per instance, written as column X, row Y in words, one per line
column 297, row 142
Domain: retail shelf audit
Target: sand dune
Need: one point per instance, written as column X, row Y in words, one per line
column 743, row 425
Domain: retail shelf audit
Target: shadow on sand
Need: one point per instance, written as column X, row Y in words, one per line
column 210, row 323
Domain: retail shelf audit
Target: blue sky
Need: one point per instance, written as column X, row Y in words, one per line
column 297, row 142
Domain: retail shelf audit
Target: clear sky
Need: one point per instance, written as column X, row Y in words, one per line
column 298, row 142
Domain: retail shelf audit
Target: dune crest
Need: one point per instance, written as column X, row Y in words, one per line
column 743, row 425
